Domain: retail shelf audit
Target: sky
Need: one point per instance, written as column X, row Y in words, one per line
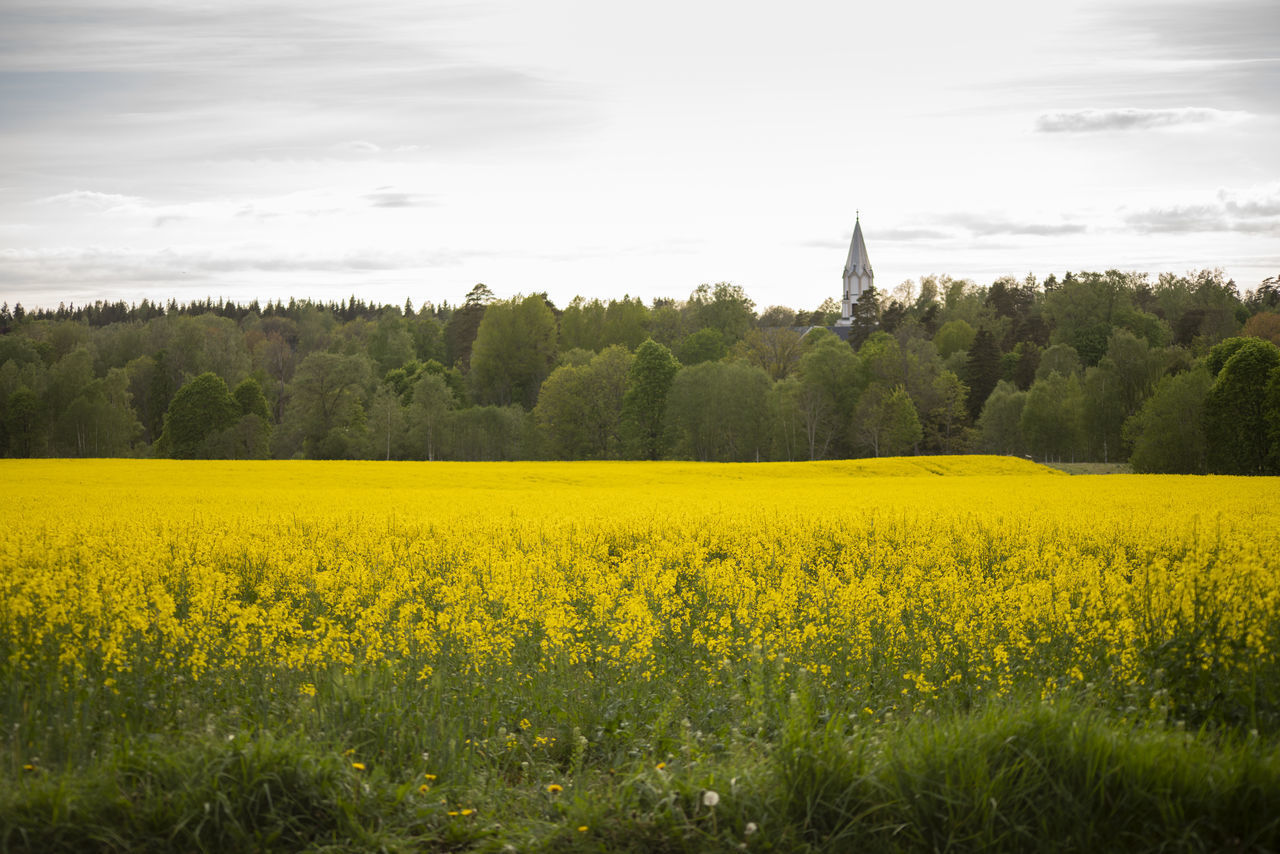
column 399, row 149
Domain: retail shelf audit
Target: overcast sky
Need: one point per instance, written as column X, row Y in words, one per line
column 412, row 149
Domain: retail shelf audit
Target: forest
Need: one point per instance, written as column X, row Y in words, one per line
column 1180, row 374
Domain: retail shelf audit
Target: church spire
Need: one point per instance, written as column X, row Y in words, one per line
column 858, row 275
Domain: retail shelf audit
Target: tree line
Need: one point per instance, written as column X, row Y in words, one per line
column 1179, row 374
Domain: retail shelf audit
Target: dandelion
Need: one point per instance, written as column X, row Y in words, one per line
column 423, row 789
column 359, row 766
column 750, row 828
column 582, row 828
column 467, row 811
column 555, row 788
column 429, row 776
column 28, row 767
column 660, row 766
column 710, row 798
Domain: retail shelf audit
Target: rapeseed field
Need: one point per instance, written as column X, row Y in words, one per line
column 464, row 629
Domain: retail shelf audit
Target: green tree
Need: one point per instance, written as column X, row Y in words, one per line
column 885, row 421
column 1060, row 358
column 774, row 349
column 865, row 318
column 1051, row 418
column 718, row 411
column 324, row 405
column 1084, row 310
column 385, row 424
column 704, row 345
column 461, row 330
column 723, row 307
column 954, row 336
column 1235, row 411
column 580, row 407
column 1116, row 388
column 626, row 322
column 428, row 411
column 644, row 404
column 388, row 343
column 251, row 400
column 982, row 370
column 1000, row 425
column 829, row 376
column 1167, row 432
column 946, row 423
column 200, row 410
column 514, row 351
column 489, row 433
column 582, row 325
column 22, row 422
column 785, row 413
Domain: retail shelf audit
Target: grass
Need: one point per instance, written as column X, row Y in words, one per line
column 1092, row 468
column 1009, row 777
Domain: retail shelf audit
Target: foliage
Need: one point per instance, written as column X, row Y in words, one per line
column 716, row 412
column 644, row 403
column 1236, row 413
column 1051, row 418
column 580, row 407
column 514, row 351
column 97, row 380
column 1167, row 432
column 199, row 411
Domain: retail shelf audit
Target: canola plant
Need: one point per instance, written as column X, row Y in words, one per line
column 926, row 579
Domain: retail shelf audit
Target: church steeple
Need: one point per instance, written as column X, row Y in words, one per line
column 858, row 275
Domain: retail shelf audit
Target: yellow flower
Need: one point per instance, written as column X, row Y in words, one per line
column 466, row 812
column 660, row 765
column 429, row 776
column 524, row 723
column 554, row 788
column 359, row 766
column 424, row 788
column 582, row 828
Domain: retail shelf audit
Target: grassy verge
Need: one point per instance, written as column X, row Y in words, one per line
column 1092, row 468
column 1010, row 777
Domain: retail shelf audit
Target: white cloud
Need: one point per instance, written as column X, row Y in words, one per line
column 1132, row 118
column 1252, row 211
column 125, row 265
column 90, row 200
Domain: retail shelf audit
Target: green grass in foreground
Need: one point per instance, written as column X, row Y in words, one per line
column 1010, row 777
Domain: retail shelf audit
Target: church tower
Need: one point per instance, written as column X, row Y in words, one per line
column 857, row 275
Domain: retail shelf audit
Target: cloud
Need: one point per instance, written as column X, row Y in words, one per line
column 93, row 264
column 1132, row 118
column 385, row 197
column 1225, row 50
column 357, row 146
column 907, row 234
column 986, row 226
column 177, row 82
column 91, row 200
column 1255, row 211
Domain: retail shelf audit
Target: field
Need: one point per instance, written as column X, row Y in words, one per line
column 910, row 654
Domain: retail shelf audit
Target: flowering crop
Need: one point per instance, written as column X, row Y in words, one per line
column 910, row 579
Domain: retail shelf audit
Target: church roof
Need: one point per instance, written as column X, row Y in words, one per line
column 858, row 264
